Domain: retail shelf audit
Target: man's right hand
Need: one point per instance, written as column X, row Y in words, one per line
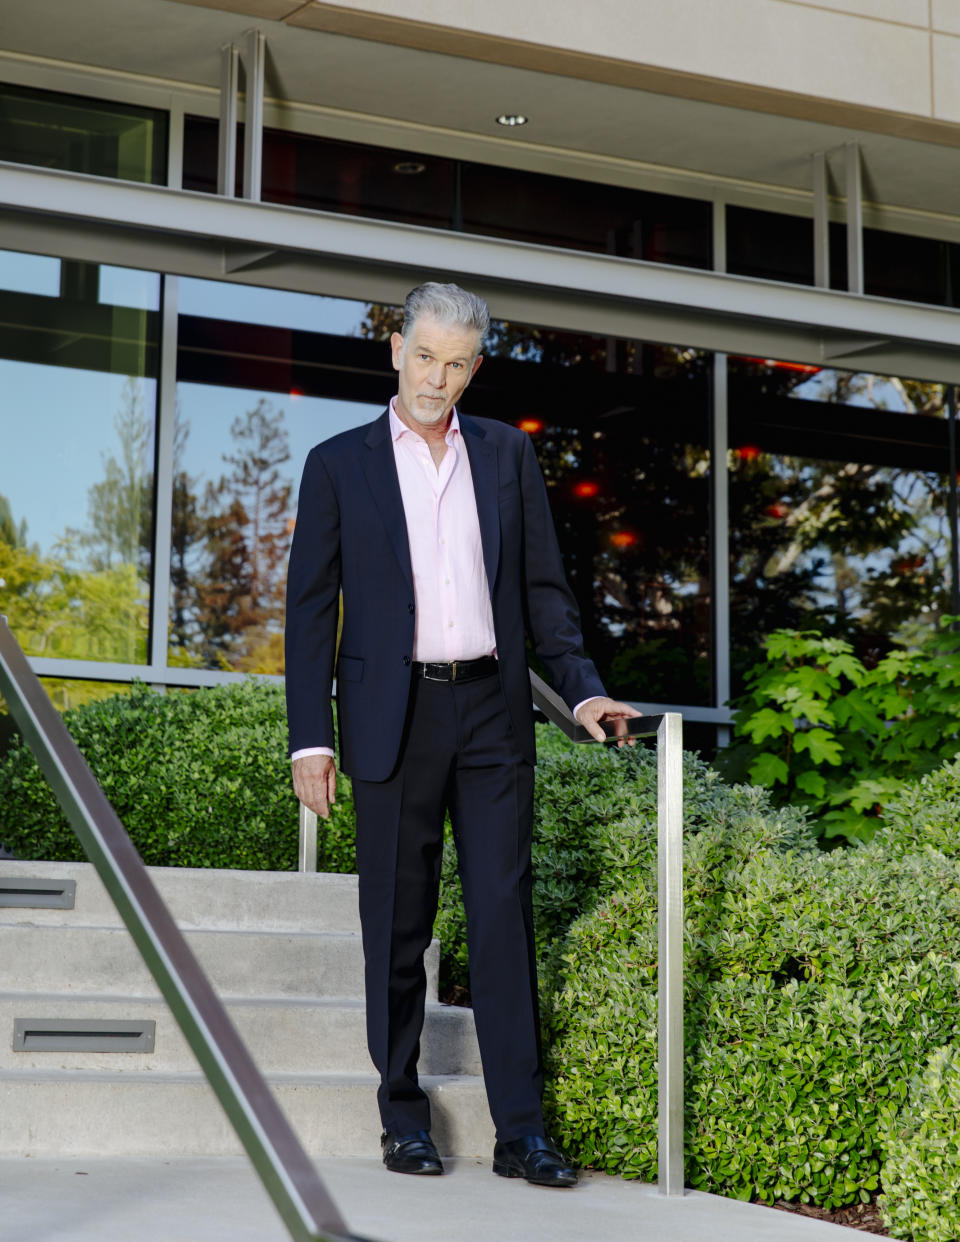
column 315, row 782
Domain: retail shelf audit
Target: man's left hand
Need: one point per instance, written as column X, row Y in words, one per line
column 591, row 714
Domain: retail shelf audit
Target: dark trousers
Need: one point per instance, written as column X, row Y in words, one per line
column 459, row 752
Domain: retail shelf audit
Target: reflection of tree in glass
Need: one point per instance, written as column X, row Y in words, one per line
column 849, row 548
column 119, row 507
column 228, row 607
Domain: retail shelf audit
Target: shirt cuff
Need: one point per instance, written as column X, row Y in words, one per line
column 584, row 701
column 311, row 750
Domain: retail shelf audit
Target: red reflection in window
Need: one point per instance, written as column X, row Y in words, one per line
column 530, row 425
column 623, row 539
column 747, row 452
column 586, row 489
column 296, row 392
column 776, row 511
column 802, row 368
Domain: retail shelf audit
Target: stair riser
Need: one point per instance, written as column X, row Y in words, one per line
column 298, row 1038
column 104, row 960
column 258, row 900
column 137, row 1117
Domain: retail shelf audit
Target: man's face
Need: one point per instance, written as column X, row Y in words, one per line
column 436, row 362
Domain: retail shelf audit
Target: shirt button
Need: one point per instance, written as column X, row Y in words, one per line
column 450, row 625
column 406, row 659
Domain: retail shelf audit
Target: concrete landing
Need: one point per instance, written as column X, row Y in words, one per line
column 220, row 1200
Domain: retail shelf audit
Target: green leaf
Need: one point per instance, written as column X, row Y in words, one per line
column 769, row 723
column 769, row 770
column 812, row 783
column 821, row 746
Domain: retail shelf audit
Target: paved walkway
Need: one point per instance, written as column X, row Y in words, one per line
column 220, row 1200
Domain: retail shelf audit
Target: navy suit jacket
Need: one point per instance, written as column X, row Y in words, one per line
column 351, row 535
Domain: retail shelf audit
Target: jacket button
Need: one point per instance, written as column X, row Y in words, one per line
column 410, row 608
column 406, row 659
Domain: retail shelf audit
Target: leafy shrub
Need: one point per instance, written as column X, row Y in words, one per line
column 925, row 813
column 820, row 729
column 199, row 779
column 815, row 985
column 921, row 1174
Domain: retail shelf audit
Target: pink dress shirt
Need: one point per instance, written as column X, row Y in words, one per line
column 454, row 617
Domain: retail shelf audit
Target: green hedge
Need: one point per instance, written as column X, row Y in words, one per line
column 921, row 1174
column 199, row 778
column 816, row 985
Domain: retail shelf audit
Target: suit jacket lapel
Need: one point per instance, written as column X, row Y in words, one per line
column 483, row 467
column 380, row 468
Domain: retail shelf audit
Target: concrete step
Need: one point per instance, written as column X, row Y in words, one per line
column 293, row 1036
column 104, row 960
column 75, row 1113
column 202, row 898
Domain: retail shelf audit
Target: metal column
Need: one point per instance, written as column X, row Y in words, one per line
column 854, row 180
column 821, row 222
column 227, row 134
column 254, row 61
column 670, row 1170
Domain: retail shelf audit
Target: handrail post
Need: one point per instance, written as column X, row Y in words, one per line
column 670, row 1177
column 308, row 839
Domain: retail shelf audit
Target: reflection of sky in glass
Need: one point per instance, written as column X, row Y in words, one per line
column 276, row 308
column 29, row 273
column 124, row 286
column 57, row 427
column 860, row 388
column 307, row 420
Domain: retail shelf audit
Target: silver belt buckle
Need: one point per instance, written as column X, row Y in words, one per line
column 453, row 670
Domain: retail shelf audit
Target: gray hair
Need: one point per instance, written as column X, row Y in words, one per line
column 448, row 304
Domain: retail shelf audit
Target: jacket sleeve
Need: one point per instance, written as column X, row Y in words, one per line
column 550, row 611
column 313, row 607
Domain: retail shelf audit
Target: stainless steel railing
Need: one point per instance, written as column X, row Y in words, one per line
column 669, row 731
column 278, row 1157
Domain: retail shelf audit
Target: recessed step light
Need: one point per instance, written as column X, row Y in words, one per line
column 37, row 894
column 83, row 1035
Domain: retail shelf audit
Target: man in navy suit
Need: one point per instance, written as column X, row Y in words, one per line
column 437, row 530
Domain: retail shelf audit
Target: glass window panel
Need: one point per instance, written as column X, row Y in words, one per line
column 838, row 506
column 78, row 378
column 124, row 286
column 29, row 273
column 384, row 183
column 917, row 269
column 255, row 392
column 771, row 245
column 93, row 136
column 620, row 427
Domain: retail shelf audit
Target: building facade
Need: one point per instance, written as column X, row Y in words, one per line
column 721, row 246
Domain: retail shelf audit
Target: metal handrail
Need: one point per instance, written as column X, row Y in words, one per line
column 669, row 730
column 287, row 1173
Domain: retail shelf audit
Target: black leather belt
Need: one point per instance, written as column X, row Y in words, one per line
column 457, row 670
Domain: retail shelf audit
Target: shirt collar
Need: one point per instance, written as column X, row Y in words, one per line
column 399, row 428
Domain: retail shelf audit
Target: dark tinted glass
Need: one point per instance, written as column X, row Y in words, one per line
column 770, row 245
column 839, row 513
column 82, row 135
column 383, row 183
column 917, row 269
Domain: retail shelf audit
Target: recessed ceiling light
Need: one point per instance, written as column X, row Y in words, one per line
column 409, row 168
column 511, row 118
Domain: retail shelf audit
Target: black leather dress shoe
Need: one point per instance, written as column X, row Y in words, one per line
column 535, row 1158
column 410, row 1153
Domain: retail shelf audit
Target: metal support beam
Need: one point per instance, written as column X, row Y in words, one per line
column 95, row 220
column 854, row 180
column 253, row 62
column 821, row 222
column 227, row 131
column 278, row 1157
column 166, row 434
column 670, row 1171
